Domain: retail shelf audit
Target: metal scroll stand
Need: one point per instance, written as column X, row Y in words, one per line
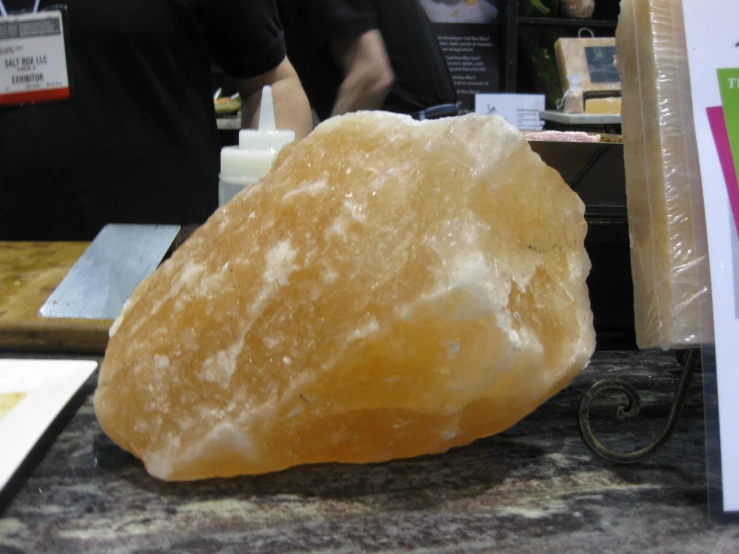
column 630, row 410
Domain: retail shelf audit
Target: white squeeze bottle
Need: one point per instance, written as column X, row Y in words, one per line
column 252, row 159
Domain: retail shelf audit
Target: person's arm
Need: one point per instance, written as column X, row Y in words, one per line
column 292, row 110
column 368, row 75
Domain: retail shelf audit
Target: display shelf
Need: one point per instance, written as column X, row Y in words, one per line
column 514, row 21
column 580, row 118
column 565, row 22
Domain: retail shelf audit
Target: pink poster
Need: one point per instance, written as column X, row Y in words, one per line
column 721, row 138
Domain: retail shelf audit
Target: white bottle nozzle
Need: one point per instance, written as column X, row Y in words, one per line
column 266, row 137
column 257, row 148
column 267, row 111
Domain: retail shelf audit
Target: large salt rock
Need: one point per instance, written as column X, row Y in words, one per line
column 392, row 288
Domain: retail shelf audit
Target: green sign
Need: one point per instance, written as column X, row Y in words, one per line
column 729, row 84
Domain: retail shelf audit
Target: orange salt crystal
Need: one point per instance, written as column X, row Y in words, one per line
column 391, row 288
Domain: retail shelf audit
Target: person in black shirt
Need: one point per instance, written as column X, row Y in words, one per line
column 137, row 142
column 366, row 54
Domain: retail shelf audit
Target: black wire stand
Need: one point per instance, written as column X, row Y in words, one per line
column 630, row 410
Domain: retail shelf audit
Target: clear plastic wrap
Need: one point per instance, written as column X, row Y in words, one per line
column 669, row 260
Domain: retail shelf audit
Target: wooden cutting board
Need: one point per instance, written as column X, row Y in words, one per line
column 29, row 273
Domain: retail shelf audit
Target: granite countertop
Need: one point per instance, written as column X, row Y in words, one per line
column 533, row 489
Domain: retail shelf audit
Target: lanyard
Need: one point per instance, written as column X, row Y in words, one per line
column 4, row 12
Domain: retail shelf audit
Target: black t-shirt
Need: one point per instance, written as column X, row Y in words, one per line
column 422, row 79
column 138, row 142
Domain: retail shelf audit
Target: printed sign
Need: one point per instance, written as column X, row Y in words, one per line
column 521, row 110
column 33, row 62
column 714, row 76
column 728, row 80
column 470, row 36
column 601, row 64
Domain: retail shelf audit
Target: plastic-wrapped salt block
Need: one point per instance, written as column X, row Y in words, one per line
column 666, row 220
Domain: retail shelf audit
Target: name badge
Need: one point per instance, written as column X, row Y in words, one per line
column 33, row 59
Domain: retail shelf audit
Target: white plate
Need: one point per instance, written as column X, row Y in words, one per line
column 48, row 385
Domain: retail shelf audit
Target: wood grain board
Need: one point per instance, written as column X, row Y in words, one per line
column 29, row 273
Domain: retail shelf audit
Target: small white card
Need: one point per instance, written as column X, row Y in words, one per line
column 32, row 393
column 33, row 59
column 521, row 110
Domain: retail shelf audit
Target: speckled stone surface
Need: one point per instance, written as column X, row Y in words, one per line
column 533, row 489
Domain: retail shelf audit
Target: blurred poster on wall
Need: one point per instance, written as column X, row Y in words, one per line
column 470, row 33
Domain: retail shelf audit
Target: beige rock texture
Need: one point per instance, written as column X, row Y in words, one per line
column 391, row 288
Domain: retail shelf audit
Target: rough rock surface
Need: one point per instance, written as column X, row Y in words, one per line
column 392, row 288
